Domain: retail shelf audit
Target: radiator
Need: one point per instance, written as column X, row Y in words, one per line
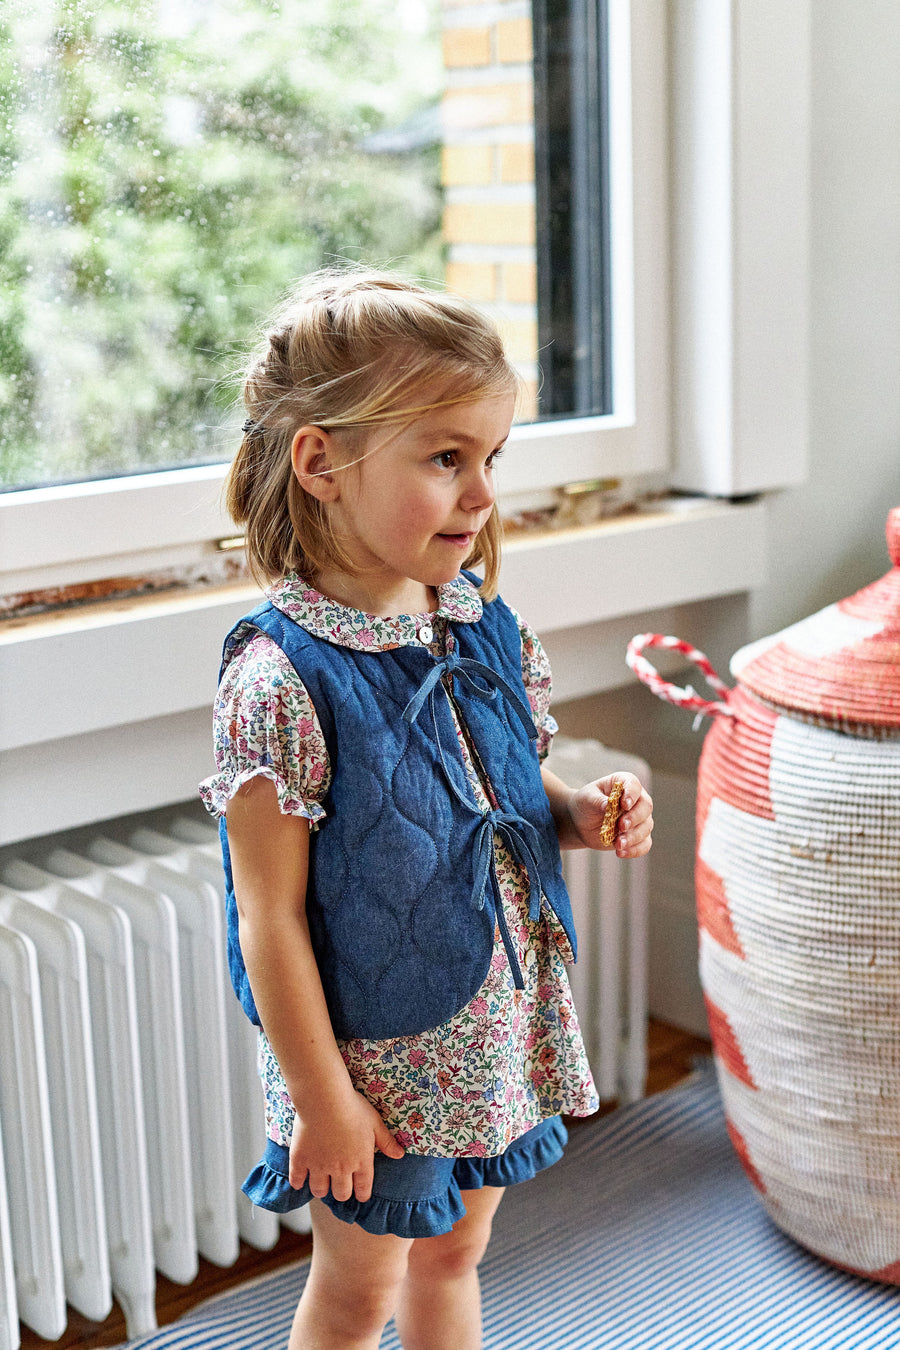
column 130, row 1107
column 610, row 906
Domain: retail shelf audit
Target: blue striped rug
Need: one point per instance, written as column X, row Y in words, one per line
column 647, row 1236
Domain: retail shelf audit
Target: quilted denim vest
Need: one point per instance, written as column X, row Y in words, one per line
column 402, row 898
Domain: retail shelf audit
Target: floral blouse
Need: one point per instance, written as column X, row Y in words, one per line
column 510, row 1058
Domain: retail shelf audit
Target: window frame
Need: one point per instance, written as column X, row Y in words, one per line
column 67, row 534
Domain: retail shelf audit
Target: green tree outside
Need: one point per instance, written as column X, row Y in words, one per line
column 167, row 167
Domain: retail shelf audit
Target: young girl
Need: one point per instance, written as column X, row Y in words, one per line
column 398, row 924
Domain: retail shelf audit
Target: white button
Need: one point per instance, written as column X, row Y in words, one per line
column 426, row 635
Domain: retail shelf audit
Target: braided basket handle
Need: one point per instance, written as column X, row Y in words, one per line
column 673, row 693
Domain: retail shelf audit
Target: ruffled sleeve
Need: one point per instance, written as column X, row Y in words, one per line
column 264, row 723
column 538, row 685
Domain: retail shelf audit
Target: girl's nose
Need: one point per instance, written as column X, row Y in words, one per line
column 479, row 490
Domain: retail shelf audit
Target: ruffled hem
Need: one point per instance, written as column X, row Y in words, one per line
column 403, row 1218
column 427, row 1215
column 217, row 792
column 270, row 1190
column 524, row 1158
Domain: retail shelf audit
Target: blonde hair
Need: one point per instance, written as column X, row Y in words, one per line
column 351, row 349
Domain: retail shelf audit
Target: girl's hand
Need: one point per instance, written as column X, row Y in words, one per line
column 334, row 1146
column 587, row 807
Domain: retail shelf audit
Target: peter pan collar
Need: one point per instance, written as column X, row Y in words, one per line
column 458, row 601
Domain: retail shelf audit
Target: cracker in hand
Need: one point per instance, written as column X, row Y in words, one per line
column 611, row 815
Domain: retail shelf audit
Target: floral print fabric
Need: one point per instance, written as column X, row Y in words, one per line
column 510, row 1058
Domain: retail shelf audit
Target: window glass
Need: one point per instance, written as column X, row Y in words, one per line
column 572, row 187
column 168, row 166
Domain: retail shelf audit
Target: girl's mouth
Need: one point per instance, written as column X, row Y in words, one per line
column 459, row 539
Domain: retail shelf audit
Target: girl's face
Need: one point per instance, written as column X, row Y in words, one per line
column 408, row 513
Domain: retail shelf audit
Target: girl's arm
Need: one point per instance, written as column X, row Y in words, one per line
column 578, row 813
column 336, row 1130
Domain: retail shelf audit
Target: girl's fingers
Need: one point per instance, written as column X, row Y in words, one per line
column 636, row 841
column 637, row 816
column 362, row 1184
column 296, row 1175
column 342, row 1185
column 385, row 1141
column 631, row 788
column 319, row 1184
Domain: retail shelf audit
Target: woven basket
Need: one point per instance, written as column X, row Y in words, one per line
column 798, row 897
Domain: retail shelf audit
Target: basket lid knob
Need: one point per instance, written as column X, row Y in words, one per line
column 893, row 535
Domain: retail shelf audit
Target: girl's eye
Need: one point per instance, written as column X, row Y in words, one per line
column 447, row 459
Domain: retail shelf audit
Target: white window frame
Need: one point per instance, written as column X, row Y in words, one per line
column 741, row 91
column 63, row 535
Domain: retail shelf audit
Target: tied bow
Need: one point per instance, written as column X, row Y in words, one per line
column 514, row 829
column 464, row 668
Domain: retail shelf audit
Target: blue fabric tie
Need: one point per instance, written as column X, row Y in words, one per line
column 513, row 828
column 464, row 668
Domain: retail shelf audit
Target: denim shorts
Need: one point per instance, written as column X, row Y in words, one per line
column 412, row 1196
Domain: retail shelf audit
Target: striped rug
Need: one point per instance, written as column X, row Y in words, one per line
column 647, row 1236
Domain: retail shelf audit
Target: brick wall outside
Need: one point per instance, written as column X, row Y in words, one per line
column 488, row 170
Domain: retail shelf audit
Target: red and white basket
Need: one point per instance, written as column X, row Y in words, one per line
column 798, row 898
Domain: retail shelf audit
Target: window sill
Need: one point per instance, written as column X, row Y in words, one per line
column 107, row 709
column 131, row 525
column 684, row 550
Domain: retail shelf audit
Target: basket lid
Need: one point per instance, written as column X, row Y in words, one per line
column 841, row 666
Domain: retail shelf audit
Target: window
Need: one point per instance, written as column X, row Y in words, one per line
column 139, row 261
column 167, row 168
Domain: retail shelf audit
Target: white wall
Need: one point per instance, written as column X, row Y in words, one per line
column 826, row 538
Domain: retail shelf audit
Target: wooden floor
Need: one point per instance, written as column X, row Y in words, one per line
column 671, row 1058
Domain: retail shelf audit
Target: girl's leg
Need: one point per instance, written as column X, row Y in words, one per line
column 440, row 1304
column 354, row 1283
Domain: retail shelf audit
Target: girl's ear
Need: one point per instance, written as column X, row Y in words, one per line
column 312, row 459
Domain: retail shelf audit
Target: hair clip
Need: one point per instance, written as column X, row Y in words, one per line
column 251, row 428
